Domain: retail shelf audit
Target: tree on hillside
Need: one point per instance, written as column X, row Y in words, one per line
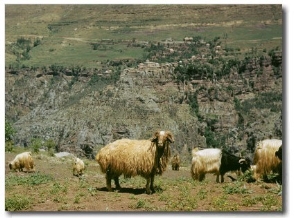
column 9, row 133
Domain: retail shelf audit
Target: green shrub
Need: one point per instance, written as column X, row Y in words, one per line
column 237, row 104
column 36, row 144
column 236, row 188
column 140, row 204
column 212, row 139
column 9, row 146
column 50, row 145
column 95, row 78
column 56, row 68
column 9, row 131
column 23, row 43
column 58, row 188
column 247, row 176
column 37, row 42
column 275, row 61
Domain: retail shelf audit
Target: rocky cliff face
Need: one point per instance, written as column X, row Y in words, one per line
column 86, row 111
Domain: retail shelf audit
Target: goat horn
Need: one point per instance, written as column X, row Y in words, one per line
column 242, row 160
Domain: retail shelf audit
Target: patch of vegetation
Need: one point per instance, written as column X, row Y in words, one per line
column 140, row 203
column 274, row 54
column 144, row 204
column 271, row 100
column 58, row 188
column 236, row 188
column 32, row 179
column 202, row 194
column 273, row 178
column 247, row 176
column 250, row 200
column 36, row 144
column 269, row 201
column 222, row 204
column 92, row 191
column 193, row 102
column 56, row 27
column 213, row 139
column 17, row 203
column 184, row 201
column 9, row 133
column 77, row 199
column 50, row 145
column 56, row 69
column 21, row 49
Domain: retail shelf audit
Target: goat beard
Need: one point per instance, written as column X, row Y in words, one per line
column 163, row 155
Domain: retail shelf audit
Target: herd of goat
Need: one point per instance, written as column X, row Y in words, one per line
column 148, row 158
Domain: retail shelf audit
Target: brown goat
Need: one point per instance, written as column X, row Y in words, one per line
column 175, row 162
column 146, row 158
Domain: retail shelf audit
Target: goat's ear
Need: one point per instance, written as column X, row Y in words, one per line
column 155, row 136
column 170, row 137
column 153, row 139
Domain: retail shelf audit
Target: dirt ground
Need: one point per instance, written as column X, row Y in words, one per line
column 175, row 191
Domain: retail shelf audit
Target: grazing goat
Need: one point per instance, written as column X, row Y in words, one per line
column 23, row 160
column 217, row 161
column 78, row 167
column 265, row 158
column 146, row 158
column 175, row 162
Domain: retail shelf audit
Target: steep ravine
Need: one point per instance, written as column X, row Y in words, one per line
column 77, row 112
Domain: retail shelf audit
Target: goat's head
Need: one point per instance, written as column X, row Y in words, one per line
column 162, row 137
column 161, row 140
column 244, row 164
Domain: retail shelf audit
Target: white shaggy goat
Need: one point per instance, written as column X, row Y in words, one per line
column 265, row 159
column 78, row 166
column 205, row 161
column 216, row 161
column 146, row 158
column 23, row 160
